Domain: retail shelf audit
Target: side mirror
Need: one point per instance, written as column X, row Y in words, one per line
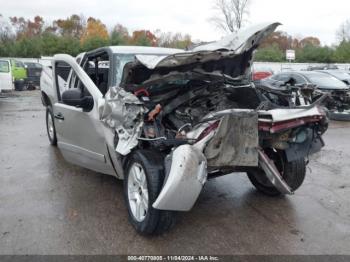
column 75, row 97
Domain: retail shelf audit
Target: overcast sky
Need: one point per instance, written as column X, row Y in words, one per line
column 318, row 18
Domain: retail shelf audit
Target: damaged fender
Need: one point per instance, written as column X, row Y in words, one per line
column 185, row 181
column 122, row 111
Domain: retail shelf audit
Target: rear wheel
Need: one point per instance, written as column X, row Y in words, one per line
column 293, row 174
column 50, row 126
column 143, row 182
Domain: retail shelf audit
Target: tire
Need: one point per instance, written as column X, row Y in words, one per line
column 50, row 126
column 151, row 221
column 292, row 172
column 19, row 85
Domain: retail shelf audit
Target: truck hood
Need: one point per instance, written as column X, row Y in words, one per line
column 230, row 57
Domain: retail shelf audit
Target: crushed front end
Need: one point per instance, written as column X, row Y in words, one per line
column 200, row 114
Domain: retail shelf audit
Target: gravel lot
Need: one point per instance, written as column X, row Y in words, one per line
column 48, row 206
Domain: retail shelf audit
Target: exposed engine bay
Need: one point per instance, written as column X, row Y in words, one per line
column 179, row 108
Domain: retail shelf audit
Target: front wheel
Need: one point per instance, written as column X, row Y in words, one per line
column 293, row 174
column 143, row 182
column 50, row 126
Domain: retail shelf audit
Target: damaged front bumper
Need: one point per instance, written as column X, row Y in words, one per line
column 188, row 173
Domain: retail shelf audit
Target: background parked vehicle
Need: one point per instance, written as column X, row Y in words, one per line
column 19, row 74
column 342, row 75
column 33, row 74
column 261, row 73
column 286, row 95
column 338, row 105
column 5, row 75
column 322, row 67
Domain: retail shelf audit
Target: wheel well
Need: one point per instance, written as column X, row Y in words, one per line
column 45, row 99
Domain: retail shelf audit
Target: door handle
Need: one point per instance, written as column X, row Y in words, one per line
column 59, row 116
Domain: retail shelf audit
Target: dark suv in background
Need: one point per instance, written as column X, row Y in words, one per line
column 33, row 74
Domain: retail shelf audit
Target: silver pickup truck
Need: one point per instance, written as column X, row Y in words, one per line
column 167, row 120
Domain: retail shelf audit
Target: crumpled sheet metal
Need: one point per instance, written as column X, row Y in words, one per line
column 185, row 181
column 282, row 114
column 123, row 112
column 242, row 40
column 233, row 44
column 235, row 142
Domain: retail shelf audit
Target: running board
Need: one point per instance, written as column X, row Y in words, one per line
column 273, row 174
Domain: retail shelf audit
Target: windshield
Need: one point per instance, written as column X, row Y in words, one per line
column 4, row 67
column 19, row 64
column 121, row 60
column 33, row 65
column 326, row 81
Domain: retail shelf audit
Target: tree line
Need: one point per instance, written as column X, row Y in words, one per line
column 21, row 37
column 308, row 50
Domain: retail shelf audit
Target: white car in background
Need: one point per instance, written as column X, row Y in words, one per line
column 6, row 82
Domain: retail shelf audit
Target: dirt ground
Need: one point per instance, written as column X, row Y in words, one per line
column 48, row 206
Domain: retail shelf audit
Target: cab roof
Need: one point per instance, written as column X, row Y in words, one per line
column 143, row 50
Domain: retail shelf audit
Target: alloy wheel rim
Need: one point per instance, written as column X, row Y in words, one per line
column 50, row 126
column 138, row 192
